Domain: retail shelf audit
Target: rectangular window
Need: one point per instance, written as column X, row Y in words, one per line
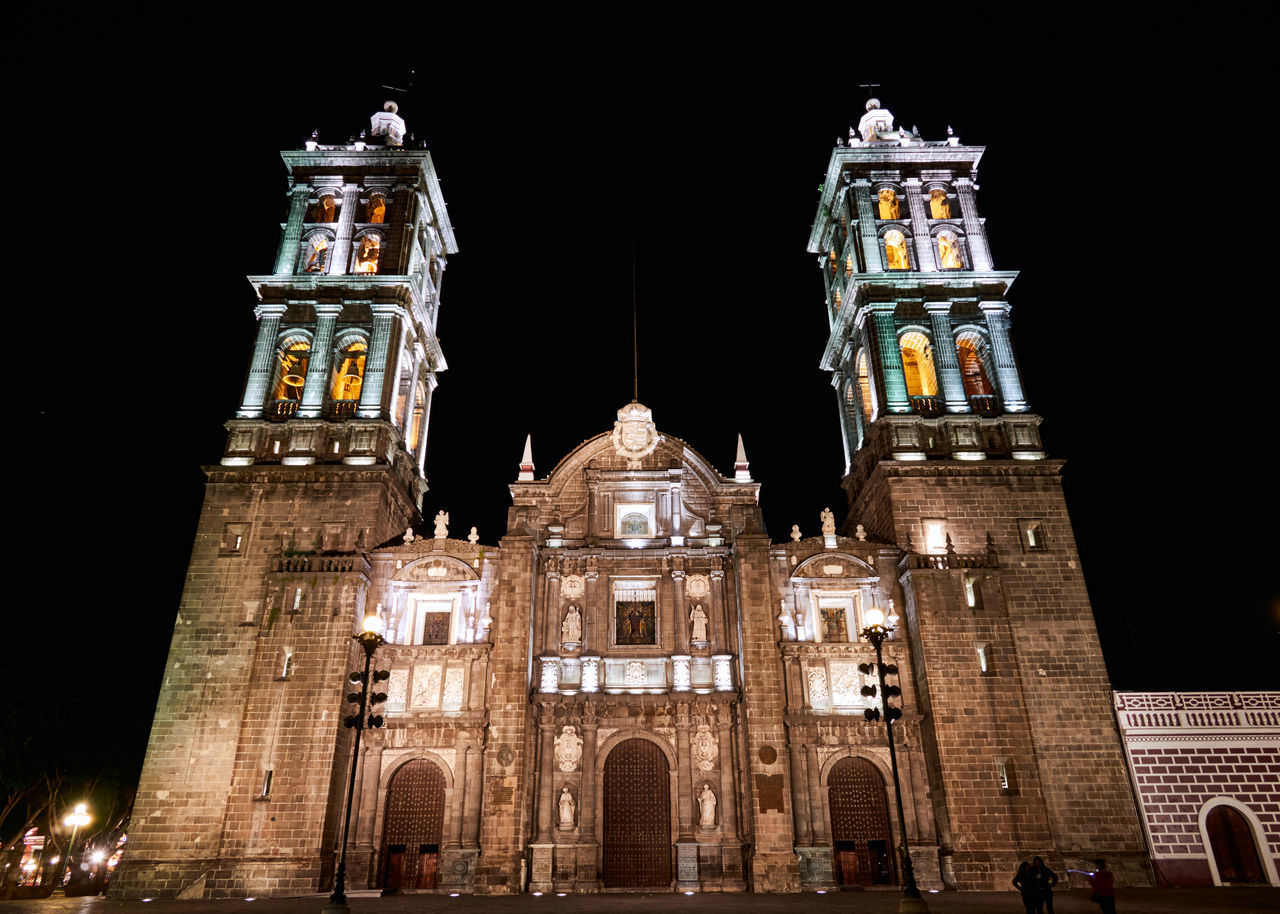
column 634, row 520
column 982, row 659
column 1004, row 774
column 433, row 620
column 265, row 792
column 286, row 668
column 972, row 590
column 935, row 535
column 1032, row 534
column 234, row 539
column 297, row 600
column 635, row 619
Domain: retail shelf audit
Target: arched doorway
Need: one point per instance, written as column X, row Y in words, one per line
column 412, row 826
column 1234, row 850
column 637, row 816
column 860, row 835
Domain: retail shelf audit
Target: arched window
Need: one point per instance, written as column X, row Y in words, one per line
column 348, row 370
column 888, row 204
column 895, row 250
column 917, row 365
column 972, row 371
column 864, row 386
column 376, row 209
column 291, row 368
column 419, row 416
column 949, row 251
column 315, row 253
column 324, row 209
column 939, row 205
column 634, row 524
column 367, row 249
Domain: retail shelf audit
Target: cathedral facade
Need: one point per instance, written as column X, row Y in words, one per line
column 635, row 688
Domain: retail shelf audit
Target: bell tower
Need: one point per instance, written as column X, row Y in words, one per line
column 944, row 460
column 240, row 792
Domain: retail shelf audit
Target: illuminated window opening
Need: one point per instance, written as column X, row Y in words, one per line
column 297, row 600
column 376, row 209
column 291, row 368
column 325, row 209
column 286, row 668
column 348, row 371
column 935, row 535
column 633, row 520
column 917, row 365
column 972, row 590
column 895, row 250
column 267, row 777
column 434, row 619
column 315, row 253
column 419, row 416
column 1032, row 534
column 949, row 257
column 848, row 265
column 233, row 539
column 982, row 659
column 864, row 385
column 939, row 205
column 1005, row 776
column 887, row 204
column 972, row 371
column 367, row 249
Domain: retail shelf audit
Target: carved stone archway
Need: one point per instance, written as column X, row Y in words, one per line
column 636, row 816
column 413, row 827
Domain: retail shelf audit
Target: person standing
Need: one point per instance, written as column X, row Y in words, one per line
column 1104, row 887
column 1025, row 883
column 1045, row 879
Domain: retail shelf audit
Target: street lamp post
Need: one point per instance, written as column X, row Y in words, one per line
column 875, row 632
column 370, row 639
column 78, row 818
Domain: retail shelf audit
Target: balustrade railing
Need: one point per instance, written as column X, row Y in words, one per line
column 342, row 409
column 926, row 406
column 984, row 404
column 280, row 410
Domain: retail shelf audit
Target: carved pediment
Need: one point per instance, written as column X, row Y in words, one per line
column 834, row 566
column 434, row 569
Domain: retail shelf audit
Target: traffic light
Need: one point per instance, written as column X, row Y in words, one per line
column 376, row 698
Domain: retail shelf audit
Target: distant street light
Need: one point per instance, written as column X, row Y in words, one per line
column 875, row 632
column 77, row 819
column 370, row 640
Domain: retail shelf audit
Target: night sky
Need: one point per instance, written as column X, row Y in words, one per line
column 157, row 171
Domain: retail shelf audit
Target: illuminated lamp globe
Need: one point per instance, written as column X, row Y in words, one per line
column 372, row 623
column 873, row 617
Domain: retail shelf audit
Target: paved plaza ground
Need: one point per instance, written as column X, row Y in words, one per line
column 1130, row 901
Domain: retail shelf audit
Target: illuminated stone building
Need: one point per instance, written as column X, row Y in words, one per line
column 635, row 688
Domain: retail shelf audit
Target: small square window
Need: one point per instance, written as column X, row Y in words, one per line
column 234, row 539
column 634, row 521
column 1032, row 530
column 935, row 535
column 984, row 665
column 265, row 792
column 1005, row 776
column 286, row 666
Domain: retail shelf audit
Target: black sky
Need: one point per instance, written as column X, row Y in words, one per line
column 155, row 165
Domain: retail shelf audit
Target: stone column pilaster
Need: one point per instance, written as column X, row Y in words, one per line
column 291, row 238
column 682, row 619
column 895, row 382
column 405, row 419
column 551, row 612
column 366, row 802
column 546, row 767
column 595, row 626
column 684, row 774
column 404, row 349
column 867, row 226
column 800, row 787
column 341, row 263
column 728, row 793
column 925, row 260
column 720, row 612
column 461, row 748
column 997, row 314
column 262, row 366
column 587, row 790
column 429, row 382
column 320, row 365
column 817, row 820
column 375, row 367
column 479, row 680
column 473, row 797
column 944, row 356
column 974, row 234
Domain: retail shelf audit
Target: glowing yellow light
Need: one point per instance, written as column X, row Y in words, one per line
column 873, row 616
column 372, row 623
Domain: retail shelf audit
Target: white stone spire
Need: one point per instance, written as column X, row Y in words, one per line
column 741, row 473
column 526, row 461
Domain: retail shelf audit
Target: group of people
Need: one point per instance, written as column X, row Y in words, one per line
column 1036, row 881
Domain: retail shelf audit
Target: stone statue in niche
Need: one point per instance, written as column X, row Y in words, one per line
column 796, row 535
column 828, row 522
column 706, row 807
column 568, row 806
column 442, row 525
column 568, row 749
column 698, row 623
column 571, row 628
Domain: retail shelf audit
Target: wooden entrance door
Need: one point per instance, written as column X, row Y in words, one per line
column 412, row 827
column 637, row 816
column 1233, row 846
column 859, row 824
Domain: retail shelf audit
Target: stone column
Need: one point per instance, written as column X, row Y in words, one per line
column 682, row 619
column 460, row 787
column 800, row 802
column 867, row 226
column 421, row 447
column 365, row 811
column 290, row 239
column 405, row 419
column 817, row 819
column 728, row 793
column 920, row 226
column 684, row 775
column 397, row 232
column 944, row 348
column 1002, row 350
column 551, row 611
column 587, row 786
column 895, row 383
column 720, row 612
column 595, row 626
column 478, row 682
column 474, row 796
column 320, row 365
column 974, row 234
column 263, row 365
column 342, row 244
column 794, row 698
column 546, row 768
column 375, row 366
